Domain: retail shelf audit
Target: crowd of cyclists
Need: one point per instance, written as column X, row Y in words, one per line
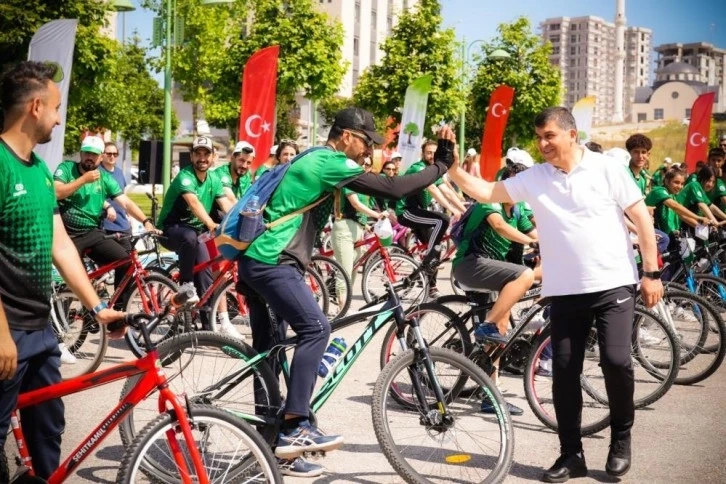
column 426, row 197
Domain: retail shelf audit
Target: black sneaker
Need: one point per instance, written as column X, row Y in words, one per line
column 487, row 407
column 618, row 463
column 299, row 468
column 566, row 467
column 306, row 438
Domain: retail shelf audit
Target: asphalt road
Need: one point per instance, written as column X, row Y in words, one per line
column 680, row 439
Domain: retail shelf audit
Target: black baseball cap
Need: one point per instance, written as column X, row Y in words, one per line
column 358, row 119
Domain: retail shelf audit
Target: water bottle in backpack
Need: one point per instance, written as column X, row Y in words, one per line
column 332, row 355
column 249, row 220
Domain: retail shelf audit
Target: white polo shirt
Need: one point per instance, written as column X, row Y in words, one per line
column 583, row 238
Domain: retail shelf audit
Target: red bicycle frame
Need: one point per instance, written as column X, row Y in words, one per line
column 153, row 378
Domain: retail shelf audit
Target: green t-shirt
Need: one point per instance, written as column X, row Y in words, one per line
column 239, row 188
column 657, row 179
column 666, row 219
column 348, row 211
column 312, row 176
column 260, row 171
column 82, row 211
column 421, row 199
column 176, row 210
column 487, row 241
column 641, row 180
column 691, row 195
column 719, row 190
column 500, row 173
column 27, row 206
column 691, row 178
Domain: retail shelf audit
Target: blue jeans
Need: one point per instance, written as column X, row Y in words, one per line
column 43, row 424
column 283, row 288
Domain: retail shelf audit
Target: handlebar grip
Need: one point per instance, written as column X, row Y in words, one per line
column 116, row 236
column 120, row 324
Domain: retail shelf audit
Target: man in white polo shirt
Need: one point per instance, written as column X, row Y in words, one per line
column 579, row 199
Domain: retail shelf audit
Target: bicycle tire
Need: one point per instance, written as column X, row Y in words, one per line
column 143, row 457
column 469, row 425
column 315, row 282
column 414, row 292
column 330, row 269
column 228, row 355
column 238, row 317
column 391, row 249
column 154, row 300
column 83, row 338
column 713, row 289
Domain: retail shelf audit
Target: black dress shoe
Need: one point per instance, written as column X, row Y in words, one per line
column 567, row 466
column 618, row 458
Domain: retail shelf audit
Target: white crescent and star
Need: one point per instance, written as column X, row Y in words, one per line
column 697, row 139
column 264, row 125
column 494, row 110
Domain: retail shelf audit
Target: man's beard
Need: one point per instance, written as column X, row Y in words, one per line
column 44, row 136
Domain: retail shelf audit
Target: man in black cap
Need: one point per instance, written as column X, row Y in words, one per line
column 271, row 269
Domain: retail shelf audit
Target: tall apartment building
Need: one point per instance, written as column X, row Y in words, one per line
column 584, row 50
column 710, row 62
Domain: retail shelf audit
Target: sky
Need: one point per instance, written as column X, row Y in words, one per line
column 670, row 20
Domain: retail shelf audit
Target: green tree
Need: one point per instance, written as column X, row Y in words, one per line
column 536, row 82
column 411, row 129
column 417, row 46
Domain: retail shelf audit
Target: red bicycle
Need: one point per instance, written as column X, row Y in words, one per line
column 185, row 443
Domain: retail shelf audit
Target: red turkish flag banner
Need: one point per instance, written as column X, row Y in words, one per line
column 257, row 104
column 698, row 130
column 491, row 142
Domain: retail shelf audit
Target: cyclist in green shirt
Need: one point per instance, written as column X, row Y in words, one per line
column 717, row 195
column 83, row 192
column 694, row 195
column 639, row 146
column 32, row 237
column 236, row 176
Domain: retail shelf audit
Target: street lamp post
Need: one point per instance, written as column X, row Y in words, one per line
column 465, row 49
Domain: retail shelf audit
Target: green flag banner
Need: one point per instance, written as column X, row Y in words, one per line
column 413, row 119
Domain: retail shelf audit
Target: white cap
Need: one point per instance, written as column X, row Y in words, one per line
column 243, row 145
column 516, row 155
column 93, row 144
column 471, row 152
column 667, row 161
column 203, row 142
column 395, row 155
column 620, row 154
column 273, row 150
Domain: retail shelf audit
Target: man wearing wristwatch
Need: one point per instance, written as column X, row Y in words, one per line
column 580, row 200
column 83, row 192
column 31, row 237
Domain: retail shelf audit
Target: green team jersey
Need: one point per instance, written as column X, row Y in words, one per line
column 348, row 211
column 260, row 171
column 666, row 219
column 657, row 179
column 239, row 188
column 27, row 207
column 487, row 241
column 718, row 191
column 311, row 177
column 82, row 210
column 641, row 180
column 691, row 195
column 500, row 173
column 421, row 199
column 176, row 210
column 691, row 178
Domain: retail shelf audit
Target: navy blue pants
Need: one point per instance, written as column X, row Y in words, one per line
column 283, row 288
column 183, row 240
column 572, row 318
column 38, row 366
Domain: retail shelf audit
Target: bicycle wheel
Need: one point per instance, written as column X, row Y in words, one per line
column 230, row 449
column 538, row 389
column 713, row 290
column 317, row 285
column 337, row 282
column 83, row 337
column 424, row 445
column 440, row 327
column 236, row 307
column 156, row 294
column 701, row 333
column 397, row 270
column 211, row 368
column 391, row 249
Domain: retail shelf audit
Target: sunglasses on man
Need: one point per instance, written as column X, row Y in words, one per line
column 362, row 136
column 110, row 153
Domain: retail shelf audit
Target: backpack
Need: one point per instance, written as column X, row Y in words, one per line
column 457, row 229
column 227, row 233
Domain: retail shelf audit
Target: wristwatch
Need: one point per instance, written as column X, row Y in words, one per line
column 652, row 274
column 99, row 307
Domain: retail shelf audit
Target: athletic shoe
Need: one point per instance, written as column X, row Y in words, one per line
column 646, row 338
column 434, row 293
column 226, row 327
column 188, row 287
column 306, row 438
column 66, row 357
column 489, row 333
column 299, row 468
column 543, row 372
column 487, row 407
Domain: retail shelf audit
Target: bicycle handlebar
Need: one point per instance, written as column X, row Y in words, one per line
column 136, row 320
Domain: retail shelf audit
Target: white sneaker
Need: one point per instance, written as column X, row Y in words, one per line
column 67, row 357
column 537, row 322
column 226, row 327
column 188, row 287
column 645, row 337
